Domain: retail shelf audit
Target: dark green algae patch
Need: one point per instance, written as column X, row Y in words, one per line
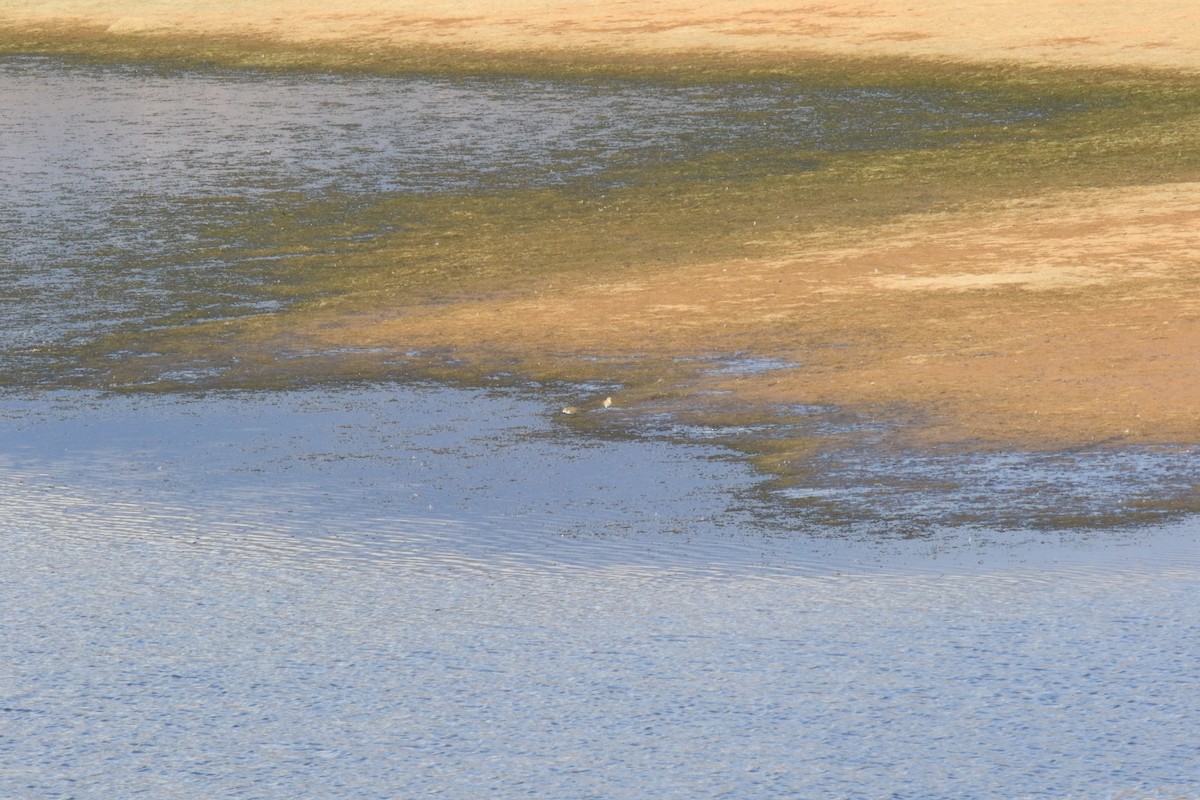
column 321, row 257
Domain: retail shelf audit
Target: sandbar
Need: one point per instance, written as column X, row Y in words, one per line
column 1069, row 317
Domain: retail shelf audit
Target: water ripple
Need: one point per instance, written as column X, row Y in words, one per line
column 434, row 477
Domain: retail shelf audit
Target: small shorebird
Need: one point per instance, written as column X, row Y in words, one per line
column 605, row 403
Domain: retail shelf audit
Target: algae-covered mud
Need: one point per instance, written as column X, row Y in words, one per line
column 148, row 197
column 646, row 234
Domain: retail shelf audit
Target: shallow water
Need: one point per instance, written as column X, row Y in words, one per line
column 387, row 591
column 394, row 591
column 425, row 475
column 122, row 187
column 408, row 590
column 410, row 475
column 155, row 670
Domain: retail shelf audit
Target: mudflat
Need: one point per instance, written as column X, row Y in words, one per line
column 1062, row 310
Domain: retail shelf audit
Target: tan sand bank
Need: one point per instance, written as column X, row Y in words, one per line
column 1155, row 33
column 1072, row 318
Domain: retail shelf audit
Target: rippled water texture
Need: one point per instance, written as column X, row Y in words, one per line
column 388, row 591
column 158, row 669
column 119, row 185
column 391, row 592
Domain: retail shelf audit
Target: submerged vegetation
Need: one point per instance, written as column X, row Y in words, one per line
column 336, row 256
column 1028, row 131
column 321, row 261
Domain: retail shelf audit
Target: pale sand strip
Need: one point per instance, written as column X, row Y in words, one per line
column 1153, row 33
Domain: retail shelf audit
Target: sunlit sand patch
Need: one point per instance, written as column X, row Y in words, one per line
column 1077, row 32
column 139, row 25
column 1039, row 321
column 964, row 282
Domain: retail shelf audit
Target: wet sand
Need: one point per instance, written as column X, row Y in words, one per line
column 1068, row 318
column 1073, row 318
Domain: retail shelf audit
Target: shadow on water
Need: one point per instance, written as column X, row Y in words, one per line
column 403, row 475
column 427, row 477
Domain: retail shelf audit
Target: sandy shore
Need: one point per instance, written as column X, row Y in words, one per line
column 1156, row 33
column 1070, row 318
